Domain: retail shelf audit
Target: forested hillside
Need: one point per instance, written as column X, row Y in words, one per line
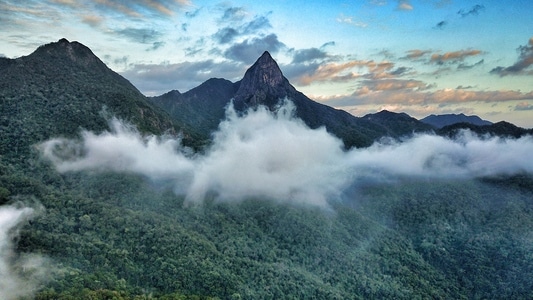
column 116, row 234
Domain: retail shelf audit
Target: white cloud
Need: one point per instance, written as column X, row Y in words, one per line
column 20, row 275
column 275, row 156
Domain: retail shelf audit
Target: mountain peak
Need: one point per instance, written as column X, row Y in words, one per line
column 265, row 71
column 263, row 83
column 73, row 51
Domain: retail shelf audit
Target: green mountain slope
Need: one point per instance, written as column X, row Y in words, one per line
column 202, row 108
column 62, row 87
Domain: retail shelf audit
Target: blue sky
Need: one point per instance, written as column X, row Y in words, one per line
column 419, row 57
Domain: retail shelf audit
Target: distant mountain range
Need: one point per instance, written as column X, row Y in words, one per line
column 440, row 121
column 62, row 87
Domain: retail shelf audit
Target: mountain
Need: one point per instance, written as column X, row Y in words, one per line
column 440, row 121
column 200, row 109
column 501, row 129
column 264, row 84
column 62, row 87
column 398, row 124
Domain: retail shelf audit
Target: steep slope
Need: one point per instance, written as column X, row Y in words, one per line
column 440, row 121
column 264, row 84
column 62, row 87
column 201, row 109
column 398, row 124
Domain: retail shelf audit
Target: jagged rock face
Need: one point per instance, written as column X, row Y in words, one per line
column 263, row 84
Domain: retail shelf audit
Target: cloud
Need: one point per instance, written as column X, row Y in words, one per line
column 256, row 25
column 453, row 57
column 463, row 66
column 234, row 14
column 416, row 54
column 141, row 8
column 140, row 35
column 92, row 20
column 524, row 106
column 441, row 25
column 20, row 274
column 522, row 66
column 155, row 46
column 156, row 79
column 404, row 5
column 350, row 21
column 250, row 49
column 308, row 55
column 473, row 11
column 390, row 85
column 237, row 28
column 331, row 72
column 259, row 155
column 22, row 14
column 347, row 71
column 435, row 156
column 226, row 35
column 273, row 155
column 419, row 95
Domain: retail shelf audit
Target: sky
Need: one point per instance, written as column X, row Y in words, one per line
column 420, row 57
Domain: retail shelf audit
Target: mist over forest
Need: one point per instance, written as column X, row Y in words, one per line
column 274, row 155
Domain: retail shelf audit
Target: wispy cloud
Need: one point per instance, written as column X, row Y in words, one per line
column 415, row 93
column 464, row 66
column 332, row 71
column 226, row 35
column 474, row 10
column 404, row 5
column 369, row 86
column 140, row 35
column 253, row 27
column 233, row 14
column 441, row 25
column 453, row 57
column 416, row 54
column 156, row 79
column 351, row 21
column 522, row 66
column 142, row 8
column 21, row 274
column 92, row 20
column 308, row 55
column 250, row 49
column 524, row 106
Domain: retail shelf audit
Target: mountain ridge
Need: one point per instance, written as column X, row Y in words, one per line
column 63, row 87
column 440, row 121
column 264, row 84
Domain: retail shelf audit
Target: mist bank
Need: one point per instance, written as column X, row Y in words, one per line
column 275, row 155
column 20, row 274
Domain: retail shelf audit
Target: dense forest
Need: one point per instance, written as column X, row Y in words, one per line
column 120, row 236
